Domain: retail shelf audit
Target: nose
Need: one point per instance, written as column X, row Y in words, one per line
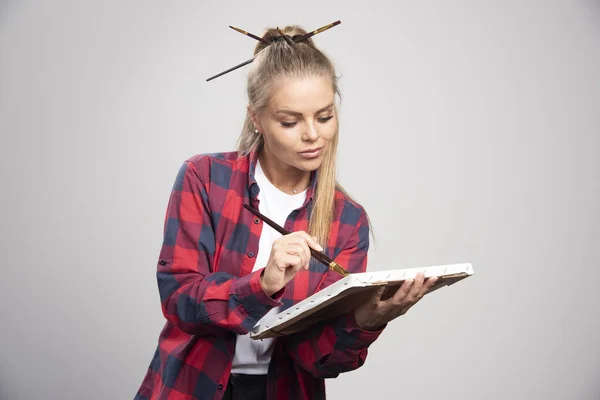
column 311, row 133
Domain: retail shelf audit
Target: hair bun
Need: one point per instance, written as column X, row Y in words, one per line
column 294, row 36
column 293, row 32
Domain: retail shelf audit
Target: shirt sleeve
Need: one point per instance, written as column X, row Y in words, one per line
column 194, row 298
column 331, row 347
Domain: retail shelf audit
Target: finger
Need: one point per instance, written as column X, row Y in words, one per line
column 376, row 298
column 307, row 254
column 317, row 245
column 302, row 238
column 301, row 250
column 286, row 255
column 416, row 288
column 401, row 293
column 292, row 238
column 292, row 261
column 429, row 283
column 293, row 248
column 311, row 240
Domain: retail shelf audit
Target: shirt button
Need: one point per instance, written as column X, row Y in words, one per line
column 220, row 387
column 256, row 220
column 250, row 254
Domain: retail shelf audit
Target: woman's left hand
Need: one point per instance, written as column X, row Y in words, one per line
column 374, row 314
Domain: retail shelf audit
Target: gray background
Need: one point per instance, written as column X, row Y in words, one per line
column 470, row 132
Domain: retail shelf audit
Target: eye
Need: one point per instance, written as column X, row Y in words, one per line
column 287, row 124
column 325, row 119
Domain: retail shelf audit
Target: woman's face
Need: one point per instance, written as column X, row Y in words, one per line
column 299, row 122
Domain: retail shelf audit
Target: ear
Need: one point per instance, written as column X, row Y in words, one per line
column 255, row 119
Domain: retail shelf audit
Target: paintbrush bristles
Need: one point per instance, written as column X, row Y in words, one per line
column 243, row 32
column 338, row 268
column 317, row 31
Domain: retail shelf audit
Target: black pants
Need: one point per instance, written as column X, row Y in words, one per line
column 246, row 387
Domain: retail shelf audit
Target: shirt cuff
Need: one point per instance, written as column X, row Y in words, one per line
column 353, row 337
column 252, row 296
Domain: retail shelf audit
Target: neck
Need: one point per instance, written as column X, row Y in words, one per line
column 288, row 179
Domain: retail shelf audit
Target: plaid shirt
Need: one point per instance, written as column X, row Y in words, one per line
column 209, row 294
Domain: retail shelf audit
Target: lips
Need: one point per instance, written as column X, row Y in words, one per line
column 311, row 150
column 311, row 154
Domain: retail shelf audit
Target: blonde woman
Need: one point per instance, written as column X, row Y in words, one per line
column 220, row 269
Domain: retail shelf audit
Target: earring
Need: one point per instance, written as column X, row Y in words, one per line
column 256, row 131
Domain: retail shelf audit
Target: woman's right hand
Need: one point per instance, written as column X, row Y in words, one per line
column 289, row 254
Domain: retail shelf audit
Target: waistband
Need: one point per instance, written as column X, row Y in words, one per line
column 247, row 379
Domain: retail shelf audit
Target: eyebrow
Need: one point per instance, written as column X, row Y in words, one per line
column 284, row 111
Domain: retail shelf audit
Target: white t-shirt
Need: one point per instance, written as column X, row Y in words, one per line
column 253, row 356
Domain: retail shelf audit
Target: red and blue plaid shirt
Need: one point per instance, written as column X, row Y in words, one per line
column 209, row 294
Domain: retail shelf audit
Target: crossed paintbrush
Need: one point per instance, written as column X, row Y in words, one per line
column 288, row 39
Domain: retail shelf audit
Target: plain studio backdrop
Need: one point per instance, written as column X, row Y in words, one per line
column 470, row 131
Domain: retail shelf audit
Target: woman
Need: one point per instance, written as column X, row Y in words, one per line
column 220, row 269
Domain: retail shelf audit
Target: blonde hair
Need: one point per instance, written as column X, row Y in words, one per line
column 272, row 62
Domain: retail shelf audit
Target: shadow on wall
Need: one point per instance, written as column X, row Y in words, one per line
column 595, row 5
column 4, row 394
column 7, row 10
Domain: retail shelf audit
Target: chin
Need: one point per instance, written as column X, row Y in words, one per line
column 310, row 165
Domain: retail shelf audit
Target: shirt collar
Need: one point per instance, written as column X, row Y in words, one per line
column 253, row 185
